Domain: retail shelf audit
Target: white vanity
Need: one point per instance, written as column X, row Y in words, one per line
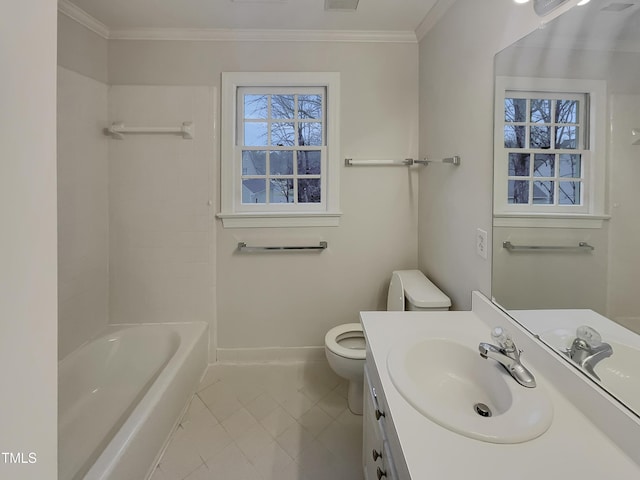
column 562, row 428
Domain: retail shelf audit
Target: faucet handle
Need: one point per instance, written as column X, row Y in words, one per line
column 590, row 335
column 502, row 338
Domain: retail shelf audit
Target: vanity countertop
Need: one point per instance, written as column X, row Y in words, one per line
column 572, row 447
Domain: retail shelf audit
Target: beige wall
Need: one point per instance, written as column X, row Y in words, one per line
column 161, row 248
column 83, row 209
column 28, row 303
column 263, row 301
column 604, row 280
column 83, row 198
column 619, row 69
column 291, row 300
column 530, row 280
column 456, row 112
column 552, row 280
column 624, row 260
column 81, row 50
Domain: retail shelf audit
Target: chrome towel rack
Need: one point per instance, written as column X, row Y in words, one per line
column 243, row 247
column 118, row 129
column 350, row 162
column 581, row 247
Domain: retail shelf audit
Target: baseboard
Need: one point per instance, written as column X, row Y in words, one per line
column 270, row 354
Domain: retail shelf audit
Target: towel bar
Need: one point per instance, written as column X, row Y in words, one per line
column 243, row 247
column 350, row 162
column 581, row 247
column 117, row 130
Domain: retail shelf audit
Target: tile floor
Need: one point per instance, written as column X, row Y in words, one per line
column 266, row 422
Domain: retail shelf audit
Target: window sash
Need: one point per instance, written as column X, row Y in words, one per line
column 581, row 122
column 269, row 119
column 557, row 202
column 295, row 179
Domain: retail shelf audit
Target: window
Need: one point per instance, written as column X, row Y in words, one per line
column 280, row 158
column 544, row 139
column 282, row 145
column 548, row 147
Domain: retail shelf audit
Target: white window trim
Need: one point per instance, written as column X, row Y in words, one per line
column 232, row 216
column 595, row 178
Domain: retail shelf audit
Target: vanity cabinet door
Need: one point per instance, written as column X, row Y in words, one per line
column 372, row 436
column 376, row 454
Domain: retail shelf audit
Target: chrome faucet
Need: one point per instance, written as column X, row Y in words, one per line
column 587, row 349
column 507, row 355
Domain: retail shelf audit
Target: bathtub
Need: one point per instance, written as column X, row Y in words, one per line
column 120, row 396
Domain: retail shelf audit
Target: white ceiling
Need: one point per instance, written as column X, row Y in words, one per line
column 599, row 25
column 371, row 15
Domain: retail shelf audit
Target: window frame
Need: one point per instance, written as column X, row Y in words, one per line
column 593, row 161
column 233, row 212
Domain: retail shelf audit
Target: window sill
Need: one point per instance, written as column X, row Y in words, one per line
column 549, row 221
column 279, row 220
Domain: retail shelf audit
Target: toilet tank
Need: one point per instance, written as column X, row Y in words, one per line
column 411, row 290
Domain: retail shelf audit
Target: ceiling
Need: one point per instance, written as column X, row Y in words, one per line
column 371, row 15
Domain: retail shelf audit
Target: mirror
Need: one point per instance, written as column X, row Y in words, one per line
column 566, row 229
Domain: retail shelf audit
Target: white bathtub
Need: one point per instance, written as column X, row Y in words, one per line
column 120, row 396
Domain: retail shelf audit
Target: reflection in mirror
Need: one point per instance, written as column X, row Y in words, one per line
column 566, row 190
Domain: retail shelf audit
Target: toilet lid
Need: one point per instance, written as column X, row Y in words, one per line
column 395, row 297
column 331, row 341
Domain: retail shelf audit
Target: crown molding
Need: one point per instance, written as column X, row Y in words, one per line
column 258, row 35
column 228, row 35
column 433, row 16
column 83, row 18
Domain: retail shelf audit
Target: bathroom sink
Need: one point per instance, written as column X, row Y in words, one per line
column 448, row 382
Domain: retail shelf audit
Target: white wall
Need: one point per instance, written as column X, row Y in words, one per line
column 162, row 256
column 28, row 302
column 83, row 210
column 136, row 231
column 624, row 260
column 456, row 112
column 606, row 279
column 291, row 300
column 552, row 280
column 81, row 50
column 624, row 266
column 530, row 280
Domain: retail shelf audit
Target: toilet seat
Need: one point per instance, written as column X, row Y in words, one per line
column 333, row 336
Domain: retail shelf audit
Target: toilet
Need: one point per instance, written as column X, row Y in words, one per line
column 345, row 345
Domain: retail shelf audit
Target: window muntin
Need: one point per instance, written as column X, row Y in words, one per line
column 281, row 140
column 545, row 142
column 314, row 172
